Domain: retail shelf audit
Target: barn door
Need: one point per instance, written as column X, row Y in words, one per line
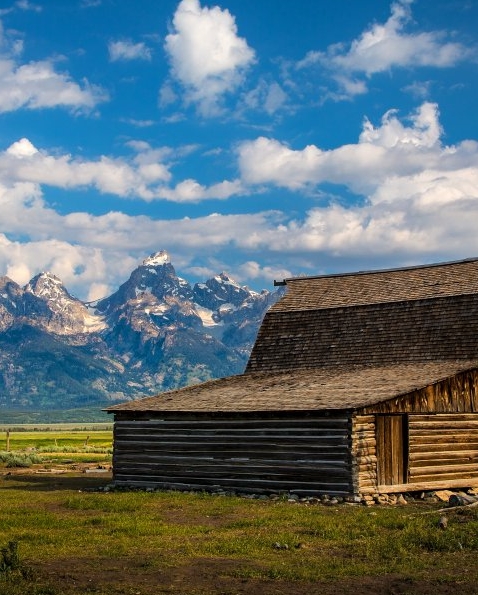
column 392, row 449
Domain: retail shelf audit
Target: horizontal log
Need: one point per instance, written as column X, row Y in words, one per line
column 250, row 485
column 277, row 441
column 233, row 462
column 364, row 450
column 218, row 438
column 368, row 468
column 365, row 459
column 308, row 431
column 443, row 437
column 443, row 425
column 365, row 456
column 418, row 486
column 246, row 463
column 247, row 449
column 160, row 430
column 365, row 427
column 460, row 455
column 250, row 481
column 443, row 416
column 312, row 445
column 364, row 446
column 225, row 478
column 366, row 482
column 443, row 468
column 468, row 477
column 226, row 474
column 367, row 474
column 224, row 471
column 443, row 432
column 364, row 433
column 238, row 423
column 438, row 469
column 317, row 434
column 442, row 447
column 265, row 457
column 364, row 438
column 363, row 418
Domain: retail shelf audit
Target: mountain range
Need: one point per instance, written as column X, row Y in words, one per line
column 156, row 332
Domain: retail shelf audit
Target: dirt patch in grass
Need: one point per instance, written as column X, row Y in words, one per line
column 216, row 577
column 39, row 478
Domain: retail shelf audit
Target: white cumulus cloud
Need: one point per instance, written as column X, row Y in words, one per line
column 415, row 195
column 387, row 150
column 85, row 250
column 38, row 85
column 146, row 175
column 207, row 56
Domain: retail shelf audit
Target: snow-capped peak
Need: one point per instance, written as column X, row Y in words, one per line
column 224, row 278
column 44, row 283
column 157, row 259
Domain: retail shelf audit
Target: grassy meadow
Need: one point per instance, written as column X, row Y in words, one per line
column 70, row 536
column 56, row 443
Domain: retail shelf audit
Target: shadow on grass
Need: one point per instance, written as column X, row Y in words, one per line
column 47, row 482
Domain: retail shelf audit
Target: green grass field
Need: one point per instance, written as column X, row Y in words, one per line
column 58, row 443
column 59, row 438
column 125, row 538
column 72, row 538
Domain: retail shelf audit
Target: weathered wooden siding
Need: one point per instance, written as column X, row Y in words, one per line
column 392, row 449
column 443, row 448
column 308, row 455
column 364, row 453
column 457, row 394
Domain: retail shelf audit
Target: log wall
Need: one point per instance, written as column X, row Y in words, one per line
column 364, row 453
column 300, row 454
column 443, row 448
column 442, row 453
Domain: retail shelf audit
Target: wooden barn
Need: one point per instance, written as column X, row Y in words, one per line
column 358, row 383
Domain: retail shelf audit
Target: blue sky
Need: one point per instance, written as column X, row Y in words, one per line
column 267, row 139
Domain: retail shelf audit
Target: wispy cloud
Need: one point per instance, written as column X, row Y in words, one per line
column 138, row 123
column 382, row 47
column 90, row 3
column 26, row 5
column 126, row 50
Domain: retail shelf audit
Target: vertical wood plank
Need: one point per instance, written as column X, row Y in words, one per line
column 392, row 449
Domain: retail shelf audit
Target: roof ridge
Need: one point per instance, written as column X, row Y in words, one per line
column 376, row 271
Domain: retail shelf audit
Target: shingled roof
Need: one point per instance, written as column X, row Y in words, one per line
column 381, row 286
column 300, row 390
column 418, row 314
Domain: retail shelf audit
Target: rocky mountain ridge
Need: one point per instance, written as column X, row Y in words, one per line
column 156, row 332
